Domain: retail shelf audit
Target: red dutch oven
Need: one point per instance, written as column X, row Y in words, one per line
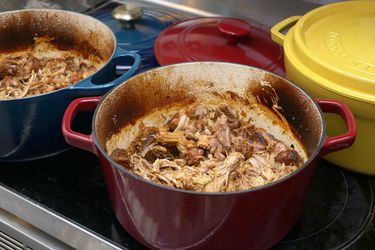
column 166, row 218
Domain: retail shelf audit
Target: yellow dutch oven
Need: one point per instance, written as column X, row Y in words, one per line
column 330, row 52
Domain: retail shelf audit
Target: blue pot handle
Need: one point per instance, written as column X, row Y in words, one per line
column 119, row 56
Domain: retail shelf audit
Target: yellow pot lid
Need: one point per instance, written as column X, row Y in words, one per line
column 337, row 42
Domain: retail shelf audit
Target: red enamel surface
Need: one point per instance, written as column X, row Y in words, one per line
column 234, row 27
column 72, row 137
column 219, row 39
column 162, row 218
column 338, row 142
column 166, row 218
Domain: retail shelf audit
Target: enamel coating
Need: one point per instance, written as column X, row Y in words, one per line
column 165, row 218
column 329, row 52
column 31, row 126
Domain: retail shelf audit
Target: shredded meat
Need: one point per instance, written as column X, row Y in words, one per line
column 41, row 69
column 121, row 156
column 209, row 149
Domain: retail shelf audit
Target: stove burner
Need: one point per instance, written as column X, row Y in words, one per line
column 337, row 210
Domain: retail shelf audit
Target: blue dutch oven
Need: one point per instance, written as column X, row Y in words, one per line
column 31, row 126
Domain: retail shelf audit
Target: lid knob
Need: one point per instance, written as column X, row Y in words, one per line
column 235, row 28
column 127, row 13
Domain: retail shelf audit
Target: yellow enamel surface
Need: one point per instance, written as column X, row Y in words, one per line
column 345, row 41
column 330, row 53
column 337, row 41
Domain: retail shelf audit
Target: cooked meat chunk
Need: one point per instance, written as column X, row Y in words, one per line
column 197, row 111
column 232, row 120
column 194, row 155
column 223, row 131
column 239, row 144
column 223, row 108
column 190, row 132
column 120, row 156
column 173, row 139
column 288, row 157
column 208, row 148
column 148, row 136
column 246, row 131
column 259, row 138
column 161, row 152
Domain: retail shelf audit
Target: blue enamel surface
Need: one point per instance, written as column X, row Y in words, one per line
column 31, row 126
column 140, row 36
column 106, row 78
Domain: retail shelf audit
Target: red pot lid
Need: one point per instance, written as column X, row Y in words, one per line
column 219, row 39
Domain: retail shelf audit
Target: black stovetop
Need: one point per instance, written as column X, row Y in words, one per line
column 338, row 213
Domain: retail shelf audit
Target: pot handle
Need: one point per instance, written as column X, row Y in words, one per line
column 72, row 137
column 336, row 143
column 108, row 73
column 276, row 31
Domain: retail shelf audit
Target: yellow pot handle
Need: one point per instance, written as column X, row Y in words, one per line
column 276, row 30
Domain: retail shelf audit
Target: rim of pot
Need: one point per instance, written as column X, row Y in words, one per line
column 270, row 184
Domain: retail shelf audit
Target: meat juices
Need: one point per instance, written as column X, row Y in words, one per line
column 210, row 149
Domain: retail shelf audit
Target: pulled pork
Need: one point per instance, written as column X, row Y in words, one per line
column 208, row 149
column 42, row 69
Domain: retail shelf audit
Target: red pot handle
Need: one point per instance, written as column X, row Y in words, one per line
column 72, row 137
column 336, row 143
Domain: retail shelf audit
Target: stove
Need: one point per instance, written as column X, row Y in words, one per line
column 338, row 213
column 62, row 202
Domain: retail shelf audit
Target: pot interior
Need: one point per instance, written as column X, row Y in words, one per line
column 279, row 106
column 69, row 30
